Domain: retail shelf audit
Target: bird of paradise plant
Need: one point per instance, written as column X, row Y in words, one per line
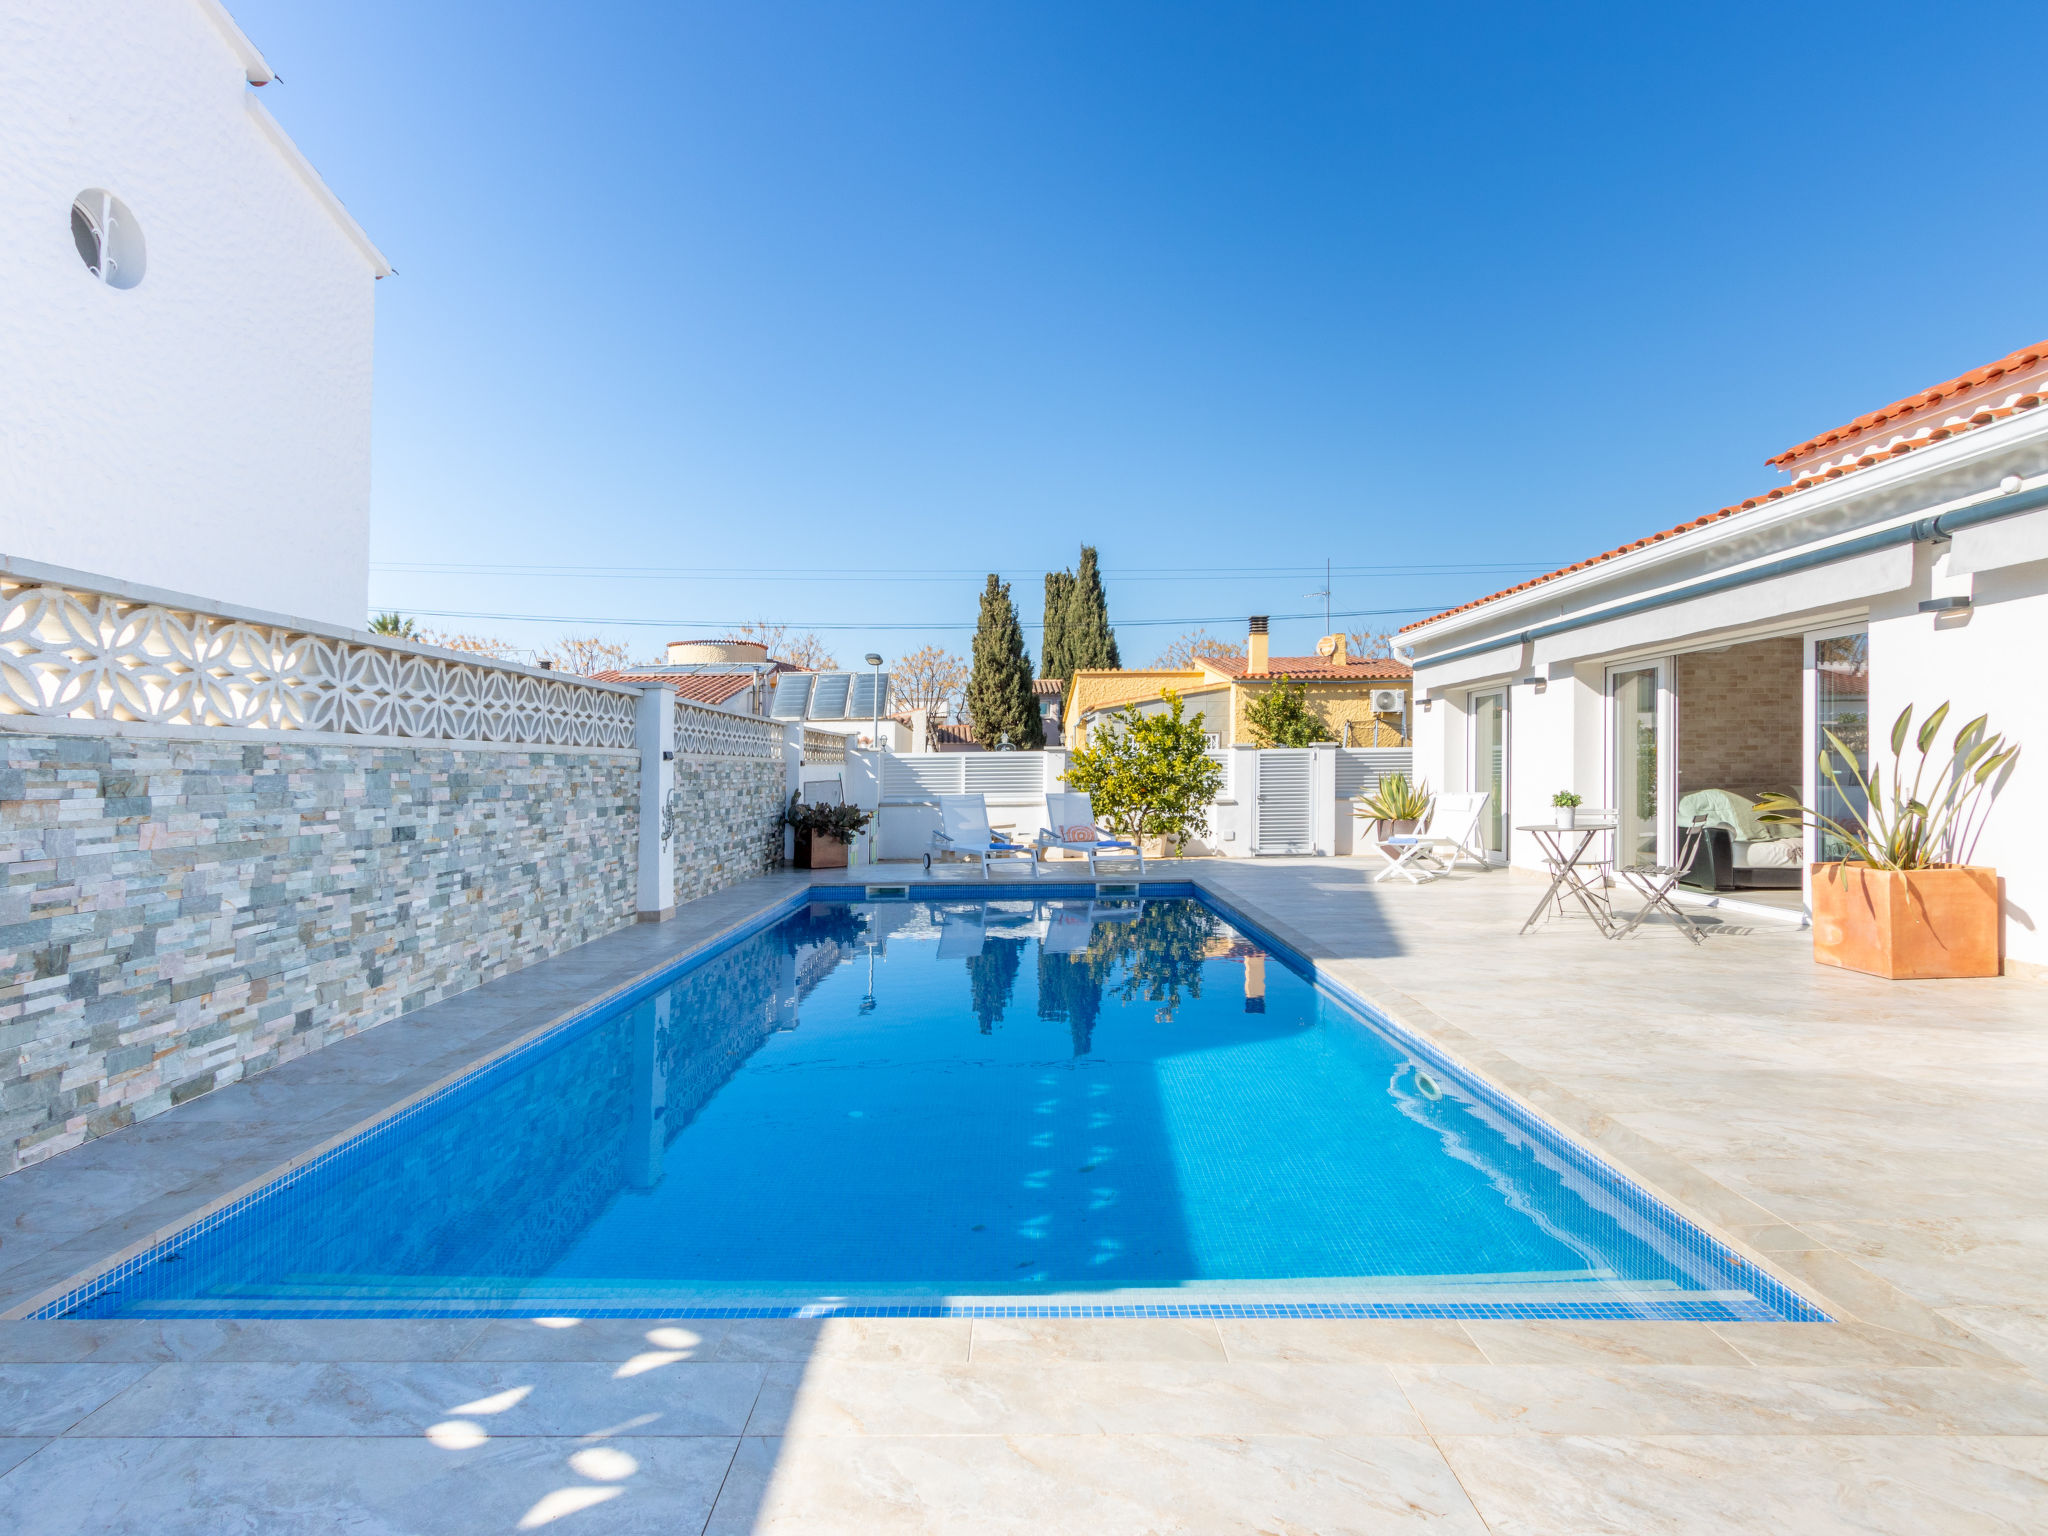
column 1925, row 825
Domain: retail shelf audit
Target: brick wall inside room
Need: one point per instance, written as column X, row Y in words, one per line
column 1739, row 718
column 176, row 914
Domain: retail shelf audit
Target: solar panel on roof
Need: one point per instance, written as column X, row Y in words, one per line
column 792, row 694
column 861, row 705
column 828, row 699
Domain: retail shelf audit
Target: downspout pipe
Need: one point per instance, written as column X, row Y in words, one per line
column 1920, row 531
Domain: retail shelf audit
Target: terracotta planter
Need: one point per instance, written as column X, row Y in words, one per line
column 1387, row 829
column 817, row 851
column 1906, row 925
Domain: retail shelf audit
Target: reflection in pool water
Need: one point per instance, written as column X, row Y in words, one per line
column 1058, row 1104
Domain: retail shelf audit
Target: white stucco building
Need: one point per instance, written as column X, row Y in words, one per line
column 186, row 333
column 1906, row 563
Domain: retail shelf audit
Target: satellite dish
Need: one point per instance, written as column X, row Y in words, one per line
column 1327, row 646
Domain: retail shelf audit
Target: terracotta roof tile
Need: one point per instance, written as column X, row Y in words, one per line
column 697, row 687
column 1877, row 453
column 1048, row 685
column 2012, row 362
column 1314, row 668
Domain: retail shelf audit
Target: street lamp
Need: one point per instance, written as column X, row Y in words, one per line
column 876, row 662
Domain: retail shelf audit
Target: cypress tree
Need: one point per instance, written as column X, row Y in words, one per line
column 1090, row 642
column 999, row 701
column 1053, row 648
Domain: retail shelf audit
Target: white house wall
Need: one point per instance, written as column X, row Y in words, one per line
column 1855, row 580
column 209, row 429
column 1985, row 662
column 1989, row 663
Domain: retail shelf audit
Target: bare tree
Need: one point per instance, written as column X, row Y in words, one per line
column 1196, row 642
column 473, row 645
column 1369, row 644
column 928, row 678
column 588, row 654
column 805, row 651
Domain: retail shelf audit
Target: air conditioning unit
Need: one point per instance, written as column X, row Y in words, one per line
column 1388, row 701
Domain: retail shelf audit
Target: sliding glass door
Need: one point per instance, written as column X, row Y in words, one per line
column 1638, row 762
column 1838, row 705
column 1490, row 767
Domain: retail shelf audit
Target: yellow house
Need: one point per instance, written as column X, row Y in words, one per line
column 1355, row 700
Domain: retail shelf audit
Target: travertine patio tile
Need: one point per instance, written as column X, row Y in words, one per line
column 139, row 1339
column 1710, row 1400
column 1127, row 1485
column 48, row 1399
column 926, row 1340
column 510, row 1398
column 1339, row 1341
column 1775, row 1344
column 1863, row 1485
column 1599, row 1341
column 1125, row 1397
column 2019, row 1333
column 639, row 1342
column 14, row 1450
column 1025, row 1340
column 366, row 1487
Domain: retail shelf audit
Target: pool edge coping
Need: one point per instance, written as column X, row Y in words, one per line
column 1304, row 951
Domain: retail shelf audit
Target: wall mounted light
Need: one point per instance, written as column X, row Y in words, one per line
column 1945, row 605
column 1538, row 683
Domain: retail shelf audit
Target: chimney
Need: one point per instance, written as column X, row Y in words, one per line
column 1334, row 649
column 1255, row 650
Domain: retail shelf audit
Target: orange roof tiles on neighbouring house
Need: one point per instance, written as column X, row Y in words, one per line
column 1320, row 668
column 1977, row 392
column 697, row 687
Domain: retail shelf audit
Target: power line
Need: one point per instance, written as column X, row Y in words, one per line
column 733, row 624
column 899, row 574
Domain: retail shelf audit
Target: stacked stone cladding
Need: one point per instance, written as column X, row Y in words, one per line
column 176, row 914
column 730, row 828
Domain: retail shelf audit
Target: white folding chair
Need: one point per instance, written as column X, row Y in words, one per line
column 964, row 832
column 1070, row 824
column 1452, row 834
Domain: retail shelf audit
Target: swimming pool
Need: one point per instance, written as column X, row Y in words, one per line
column 1067, row 1105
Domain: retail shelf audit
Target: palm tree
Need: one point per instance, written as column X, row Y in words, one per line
column 396, row 625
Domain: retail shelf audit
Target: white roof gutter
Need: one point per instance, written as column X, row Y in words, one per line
column 298, row 162
column 255, row 68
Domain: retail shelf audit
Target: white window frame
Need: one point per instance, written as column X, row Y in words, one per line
column 1666, row 711
column 1475, row 775
column 1809, row 733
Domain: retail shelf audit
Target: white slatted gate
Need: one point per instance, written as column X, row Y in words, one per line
column 1286, row 817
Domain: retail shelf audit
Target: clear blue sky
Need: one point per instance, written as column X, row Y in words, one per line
column 950, row 287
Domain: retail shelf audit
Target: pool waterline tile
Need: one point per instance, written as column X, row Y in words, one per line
column 1755, row 1294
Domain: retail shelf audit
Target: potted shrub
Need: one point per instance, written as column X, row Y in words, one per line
column 1907, row 903
column 1567, row 806
column 823, row 831
column 1399, row 807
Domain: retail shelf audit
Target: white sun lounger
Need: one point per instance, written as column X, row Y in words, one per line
column 1453, row 834
column 1066, row 813
column 964, row 832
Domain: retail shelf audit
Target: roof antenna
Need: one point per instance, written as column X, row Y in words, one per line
column 1324, row 594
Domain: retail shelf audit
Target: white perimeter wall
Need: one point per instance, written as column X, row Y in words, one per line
column 208, row 430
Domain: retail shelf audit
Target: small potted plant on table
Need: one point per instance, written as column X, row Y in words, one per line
column 823, row 831
column 1567, row 806
column 1905, row 902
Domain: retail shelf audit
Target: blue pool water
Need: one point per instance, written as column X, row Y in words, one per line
column 960, row 1104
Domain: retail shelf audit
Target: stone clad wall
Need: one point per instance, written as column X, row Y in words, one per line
column 731, row 826
column 179, row 913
